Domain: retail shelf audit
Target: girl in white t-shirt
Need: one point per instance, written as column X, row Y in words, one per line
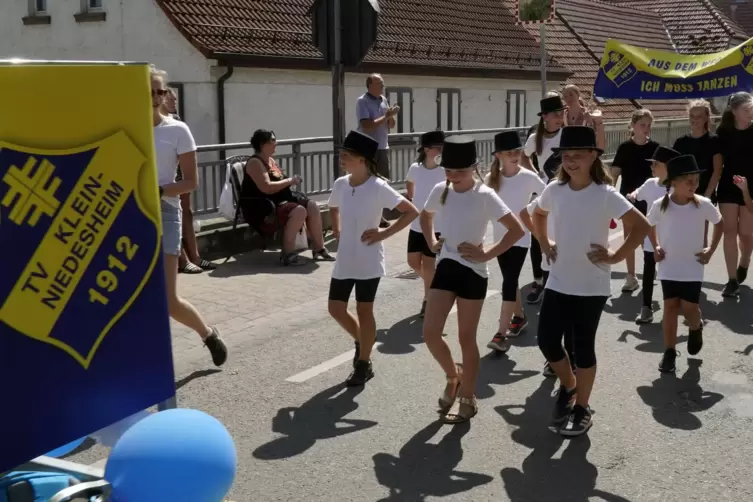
column 540, row 158
column 424, row 175
column 680, row 220
column 174, row 146
column 356, row 206
column 465, row 206
column 515, row 186
column 583, row 202
column 652, row 190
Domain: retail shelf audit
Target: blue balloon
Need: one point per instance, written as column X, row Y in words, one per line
column 64, row 450
column 178, row 454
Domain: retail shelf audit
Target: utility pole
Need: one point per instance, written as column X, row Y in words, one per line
column 338, row 89
column 542, row 48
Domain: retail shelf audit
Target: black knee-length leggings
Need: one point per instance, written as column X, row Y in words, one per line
column 536, row 259
column 649, row 274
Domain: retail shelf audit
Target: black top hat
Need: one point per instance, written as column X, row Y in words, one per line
column 431, row 138
column 664, row 154
column 577, row 138
column 360, row 144
column 459, row 152
column 507, row 140
column 552, row 104
column 680, row 166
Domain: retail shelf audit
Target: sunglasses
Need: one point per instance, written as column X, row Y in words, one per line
column 159, row 92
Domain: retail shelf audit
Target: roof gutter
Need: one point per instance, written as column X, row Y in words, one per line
column 229, row 69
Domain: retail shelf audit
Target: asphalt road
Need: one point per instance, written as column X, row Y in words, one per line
column 301, row 435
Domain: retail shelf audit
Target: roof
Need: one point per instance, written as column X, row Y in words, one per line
column 577, row 36
column 740, row 13
column 473, row 34
column 695, row 26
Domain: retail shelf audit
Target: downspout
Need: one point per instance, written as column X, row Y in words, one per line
column 221, row 106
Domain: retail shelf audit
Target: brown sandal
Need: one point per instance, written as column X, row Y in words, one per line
column 454, row 416
column 446, row 400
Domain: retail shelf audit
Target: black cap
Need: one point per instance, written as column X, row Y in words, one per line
column 551, row 104
column 680, row 166
column 360, row 144
column 431, row 138
column 506, row 141
column 577, row 138
column 459, row 152
column 664, row 154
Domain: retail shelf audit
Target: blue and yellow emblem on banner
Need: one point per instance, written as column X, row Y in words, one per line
column 84, row 330
column 630, row 72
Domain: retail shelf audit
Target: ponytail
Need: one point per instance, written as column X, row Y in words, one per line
column 540, row 130
column 665, row 200
column 443, row 197
column 372, row 167
column 495, row 176
column 421, row 156
column 728, row 119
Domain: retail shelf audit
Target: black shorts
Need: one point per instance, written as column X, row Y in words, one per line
column 417, row 244
column 366, row 289
column 686, row 291
column 728, row 193
column 459, row 279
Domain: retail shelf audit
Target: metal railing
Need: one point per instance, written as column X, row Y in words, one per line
column 312, row 158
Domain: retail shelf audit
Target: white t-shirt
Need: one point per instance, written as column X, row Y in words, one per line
column 582, row 219
column 549, row 226
column 516, row 192
column 649, row 192
column 546, row 150
column 679, row 232
column 171, row 139
column 465, row 218
column 360, row 210
column 424, row 180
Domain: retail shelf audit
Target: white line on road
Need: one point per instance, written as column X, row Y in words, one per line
column 346, row 356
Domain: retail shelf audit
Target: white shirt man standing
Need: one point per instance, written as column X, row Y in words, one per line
column 375, row 119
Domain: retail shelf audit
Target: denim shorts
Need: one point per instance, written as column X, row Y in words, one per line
column 171, row 229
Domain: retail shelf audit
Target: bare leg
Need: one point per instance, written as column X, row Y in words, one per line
column 669, row 323
column 189, row 236
column 730, row 216
column 340, row 313
column 630, row 259
column 367, row 333
column 428, row 267
column 437, row 309
column 293, row 225
column 180, row 309
column 469, row 312
column 745, row 234
column 314, row 224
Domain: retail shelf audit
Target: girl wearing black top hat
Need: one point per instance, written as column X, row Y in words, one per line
column 356, row 206
column 679, row 219
column 735, row 134
column 424, row 175
column 652, row 190
column 539, row 151
column 582, row 201
column 466, row 206
column 515, row 186
column 630, row 164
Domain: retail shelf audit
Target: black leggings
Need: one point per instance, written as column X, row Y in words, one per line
column 511, row 263
column 649, row 274
column 536, row 258
column 579, row 315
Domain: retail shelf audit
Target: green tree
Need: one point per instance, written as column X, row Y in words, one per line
column 534, row 10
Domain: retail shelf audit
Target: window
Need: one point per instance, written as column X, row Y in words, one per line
column 40, row 7
column 448, row 109
column 91, row 11
column 93, row 4
column 516, row 109
column 37, row 13
column 402, row 97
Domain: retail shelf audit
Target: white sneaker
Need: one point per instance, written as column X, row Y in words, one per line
column 631, row 284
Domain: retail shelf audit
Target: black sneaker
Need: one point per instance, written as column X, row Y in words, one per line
column 563, row 406
column 423, row 309
column 499, row 343
column 695, row 340
column 731, row 289
column 216, row 347
column 667, row 364
column 742, row 274
column 517, row 325
column 357, row 354
column 579, row 422
column 384, row 223
column 548, row 371
column 535, row 295
column 362, row 373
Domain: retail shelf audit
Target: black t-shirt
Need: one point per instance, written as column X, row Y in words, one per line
column 736, row 147
column 703, row 149
column 634, row 168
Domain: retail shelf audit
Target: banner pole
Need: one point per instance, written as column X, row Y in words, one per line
column 542, row 38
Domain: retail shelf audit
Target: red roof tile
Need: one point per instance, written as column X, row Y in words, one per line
column 473, row 34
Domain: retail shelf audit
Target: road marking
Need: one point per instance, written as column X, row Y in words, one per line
column 347, row 356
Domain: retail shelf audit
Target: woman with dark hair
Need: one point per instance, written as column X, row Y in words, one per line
column 262, row 179
column 582, row 201
column 735, row 136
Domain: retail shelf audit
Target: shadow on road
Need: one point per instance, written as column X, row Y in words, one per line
column 498, row 369
column 264, row 262
column 321, row 417
column 427, row 470
column 652, row 337
column 402, row 336
column 194, row 376
column 532, row 418
column 730, row 312
column 674, row 401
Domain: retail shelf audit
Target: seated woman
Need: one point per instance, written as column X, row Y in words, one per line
column 262, row 179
